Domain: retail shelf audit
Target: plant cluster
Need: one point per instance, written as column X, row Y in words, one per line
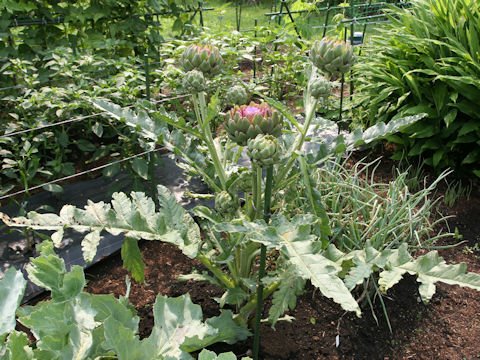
column 427, row 60
column 121, row 27
column 59, row 91
column 320, row 221
column 77, row 325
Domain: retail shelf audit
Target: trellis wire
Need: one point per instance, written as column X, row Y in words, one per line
column 78, row 174
column 83, row 117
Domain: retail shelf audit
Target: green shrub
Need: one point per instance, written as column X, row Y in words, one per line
column 427, row 60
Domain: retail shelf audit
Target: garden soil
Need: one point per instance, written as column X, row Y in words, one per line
column 446, row 328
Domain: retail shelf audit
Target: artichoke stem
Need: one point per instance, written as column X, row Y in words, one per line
column 205, row 127
column 310, row 111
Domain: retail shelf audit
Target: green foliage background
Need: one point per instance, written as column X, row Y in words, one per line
column 427, row 60
column 125, row 24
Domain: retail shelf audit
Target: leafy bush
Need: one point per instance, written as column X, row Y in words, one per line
column 427, row 61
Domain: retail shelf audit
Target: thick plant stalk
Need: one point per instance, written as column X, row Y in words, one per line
column 309, row 113
column 261, row 271
column 216, row 271
column 200, row 111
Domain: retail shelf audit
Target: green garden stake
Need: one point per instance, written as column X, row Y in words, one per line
column 326, row 20
column 255, row 52
column 352, row 32
column 147, row 77
column 200, row 7
column 261, row 271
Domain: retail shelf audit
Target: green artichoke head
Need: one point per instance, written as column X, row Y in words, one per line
column 321, row 88
column 204, row 58
column 247, row 121
column 333, row 57
column 236, row 95
column 193, row 82
column 225, row 203
column 264, row 150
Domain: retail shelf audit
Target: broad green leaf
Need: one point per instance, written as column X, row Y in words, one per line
column 48, row 271
column 132, row 259
column 12, row 287
column 175, row 320
column 140, row 166
column 53, row 188
column 450, row 117
column 210, row 355
column 85, row 145
column 124, row 341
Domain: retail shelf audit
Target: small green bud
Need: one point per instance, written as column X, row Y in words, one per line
column 225, row 203
column 193, row 82
column 264, row 150
column 236, row 95
column 321, row 88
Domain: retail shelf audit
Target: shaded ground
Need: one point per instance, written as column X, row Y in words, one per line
column 447, row 328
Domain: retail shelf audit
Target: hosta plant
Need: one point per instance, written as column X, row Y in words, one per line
column 271, row 202
column 427, row 60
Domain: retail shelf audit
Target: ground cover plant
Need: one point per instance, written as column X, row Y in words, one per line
column 284, row 204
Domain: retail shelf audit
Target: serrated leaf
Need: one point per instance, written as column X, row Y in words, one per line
column 12, row 287
column 132, row 259
column 286, row 296
column 17, row 347
column 48, row 271
column 135, row 217
column 430, row 268
column 294, row 240
column 89, row 245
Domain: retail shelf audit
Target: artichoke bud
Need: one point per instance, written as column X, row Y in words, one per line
column 225, row 203
column 321, row 88
column 194, row 82
column 332, row 57
column 264, row 150
column 247, row 121
column 236, row 95
column 204, row 58
column 244, row 181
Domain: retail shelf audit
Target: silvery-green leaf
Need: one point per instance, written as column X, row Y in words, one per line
column 12, row 287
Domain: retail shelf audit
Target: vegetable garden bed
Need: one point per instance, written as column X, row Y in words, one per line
column 447, row 328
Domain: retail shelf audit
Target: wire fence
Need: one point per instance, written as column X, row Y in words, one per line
column 79, row 118
column 20, row 192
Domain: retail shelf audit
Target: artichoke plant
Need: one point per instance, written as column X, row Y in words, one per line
column 236, row 95
column 247, row 121
column 321, row 88
column 204, row 58
column 264, row 150
column 193, row 82
column 333, row 57
column 225, row 203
